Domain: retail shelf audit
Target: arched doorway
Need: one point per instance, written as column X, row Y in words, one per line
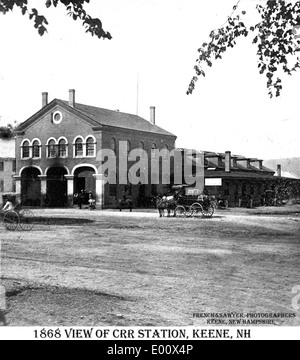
column 84, row 180
column 57, row 187
column 30, row 187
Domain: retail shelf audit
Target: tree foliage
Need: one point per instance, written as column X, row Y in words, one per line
column 6, row 132
column 74, row 8
column 274, row 35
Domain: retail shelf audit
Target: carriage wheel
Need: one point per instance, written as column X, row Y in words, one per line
column 26, row 220
column 189, row 212
column 11, row 220
column 180, row 211
column 196, row 210
column 208, row 211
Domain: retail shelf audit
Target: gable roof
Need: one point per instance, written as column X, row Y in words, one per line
column 119, row 119
column 100, row 117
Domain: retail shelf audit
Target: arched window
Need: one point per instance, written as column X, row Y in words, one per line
column 141, row 149
column 128, row 146
column 62, row 148
column 90, row 147
column 166, row 152
column 25, row 150
column 79, row 147
column 141, row 145
column 36, row 149
column 113, row 144
column 51, row 148
column 153, row 151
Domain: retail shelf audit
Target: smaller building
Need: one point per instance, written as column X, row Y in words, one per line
column 7, row 168
column 245, row 182
column 242, row 181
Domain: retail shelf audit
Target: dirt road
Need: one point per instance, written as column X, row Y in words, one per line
column 134, row 269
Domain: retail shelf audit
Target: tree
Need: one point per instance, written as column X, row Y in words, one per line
column 6, row 132
column 275, row 35
column 75, row 9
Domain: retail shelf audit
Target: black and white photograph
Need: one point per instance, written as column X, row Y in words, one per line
column 149, row 171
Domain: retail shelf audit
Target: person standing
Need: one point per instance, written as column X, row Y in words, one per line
column 80, row 199
column 91, row 201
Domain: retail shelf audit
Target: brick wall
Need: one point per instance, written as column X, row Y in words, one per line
column 72, row 126
column 7, row 170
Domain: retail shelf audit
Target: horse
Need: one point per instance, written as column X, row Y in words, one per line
column 125, row 203
column 166, row 203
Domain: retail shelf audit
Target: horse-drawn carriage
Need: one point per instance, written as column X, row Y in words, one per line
column 191, row 206
column 186, row 205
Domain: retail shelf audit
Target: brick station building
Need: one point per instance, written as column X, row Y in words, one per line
column 56, row 152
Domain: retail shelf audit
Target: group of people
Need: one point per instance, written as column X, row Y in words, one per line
column 83, row 196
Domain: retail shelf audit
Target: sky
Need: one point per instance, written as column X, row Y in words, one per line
column 149, row 62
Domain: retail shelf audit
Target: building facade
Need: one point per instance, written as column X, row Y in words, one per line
column 57, row 152
column 7, row 168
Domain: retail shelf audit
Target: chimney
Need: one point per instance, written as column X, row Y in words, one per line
column 44, row 99
column 152, row 115
column 260, row 164
column 279, row 171
column 248, row 163
column 228, row 161
column 72, row 98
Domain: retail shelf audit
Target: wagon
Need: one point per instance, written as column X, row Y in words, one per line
column 194, row 206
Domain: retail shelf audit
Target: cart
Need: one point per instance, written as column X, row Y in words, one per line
column 24, row 219
column 194, row 206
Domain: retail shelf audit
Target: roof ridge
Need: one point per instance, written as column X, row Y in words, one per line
column 102, row 108
column 116, row 118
